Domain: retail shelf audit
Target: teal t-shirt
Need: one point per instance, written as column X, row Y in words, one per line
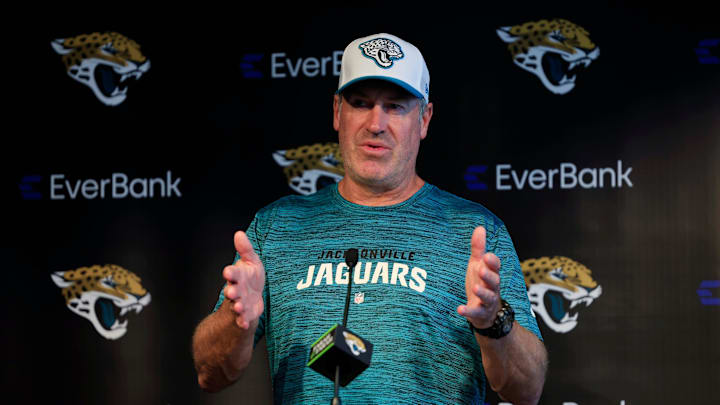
column 407, row 286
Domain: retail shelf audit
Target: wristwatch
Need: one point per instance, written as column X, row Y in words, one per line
column 501, row 325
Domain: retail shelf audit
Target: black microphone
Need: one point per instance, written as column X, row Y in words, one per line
column 351, row 259
column 340, row 348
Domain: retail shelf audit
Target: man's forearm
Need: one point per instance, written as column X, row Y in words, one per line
column 515, row 365
column 221, row 349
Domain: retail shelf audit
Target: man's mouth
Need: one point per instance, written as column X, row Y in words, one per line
column 374, row 147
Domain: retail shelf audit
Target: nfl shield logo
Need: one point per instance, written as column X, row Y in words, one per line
column 359, row 298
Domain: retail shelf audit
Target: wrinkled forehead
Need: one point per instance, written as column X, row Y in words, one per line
column 376, row 88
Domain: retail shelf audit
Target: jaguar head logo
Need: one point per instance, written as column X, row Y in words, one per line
column 382, row 50
column 354, row 343
column 311, row 167
column 105, row 62
column 559, row 288
column 555, row 51
column 104, row 295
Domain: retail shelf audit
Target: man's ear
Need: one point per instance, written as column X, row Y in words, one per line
column 336, row 112
column 426, row 117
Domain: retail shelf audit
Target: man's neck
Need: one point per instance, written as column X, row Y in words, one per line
column 378, row 195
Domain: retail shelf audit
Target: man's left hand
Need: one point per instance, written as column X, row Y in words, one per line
column 482, row 284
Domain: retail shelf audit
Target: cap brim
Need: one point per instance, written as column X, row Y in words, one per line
column 392, row 80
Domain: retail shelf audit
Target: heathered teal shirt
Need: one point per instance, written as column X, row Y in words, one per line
column 408, row 282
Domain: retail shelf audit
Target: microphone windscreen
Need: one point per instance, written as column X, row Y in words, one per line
column 351, row 257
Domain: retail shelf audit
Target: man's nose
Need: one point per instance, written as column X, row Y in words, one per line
column 377, row 119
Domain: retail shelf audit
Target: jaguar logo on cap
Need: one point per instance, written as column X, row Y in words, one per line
column 384, row 56
column 382, row 50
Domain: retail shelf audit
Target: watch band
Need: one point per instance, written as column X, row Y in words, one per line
column 501, row 325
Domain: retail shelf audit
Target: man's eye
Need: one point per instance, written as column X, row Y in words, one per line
column 396, row 108
column 358, row 103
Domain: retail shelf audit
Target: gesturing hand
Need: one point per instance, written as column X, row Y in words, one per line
column 246, row 279
column 482, row 284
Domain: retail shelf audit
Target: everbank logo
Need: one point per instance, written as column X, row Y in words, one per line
column 116, row 187
column 565, row 176
column 309, row 67
column 282, row 66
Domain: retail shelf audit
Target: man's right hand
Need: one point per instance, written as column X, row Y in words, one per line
column 245, row 282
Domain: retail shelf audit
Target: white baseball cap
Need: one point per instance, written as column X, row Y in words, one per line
column 385, row 57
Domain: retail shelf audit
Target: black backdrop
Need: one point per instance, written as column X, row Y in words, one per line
column 209, row 111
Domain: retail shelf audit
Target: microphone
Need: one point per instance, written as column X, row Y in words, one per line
column 351, row 259
column 339, row 347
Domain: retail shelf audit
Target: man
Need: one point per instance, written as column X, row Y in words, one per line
column 438, row 308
